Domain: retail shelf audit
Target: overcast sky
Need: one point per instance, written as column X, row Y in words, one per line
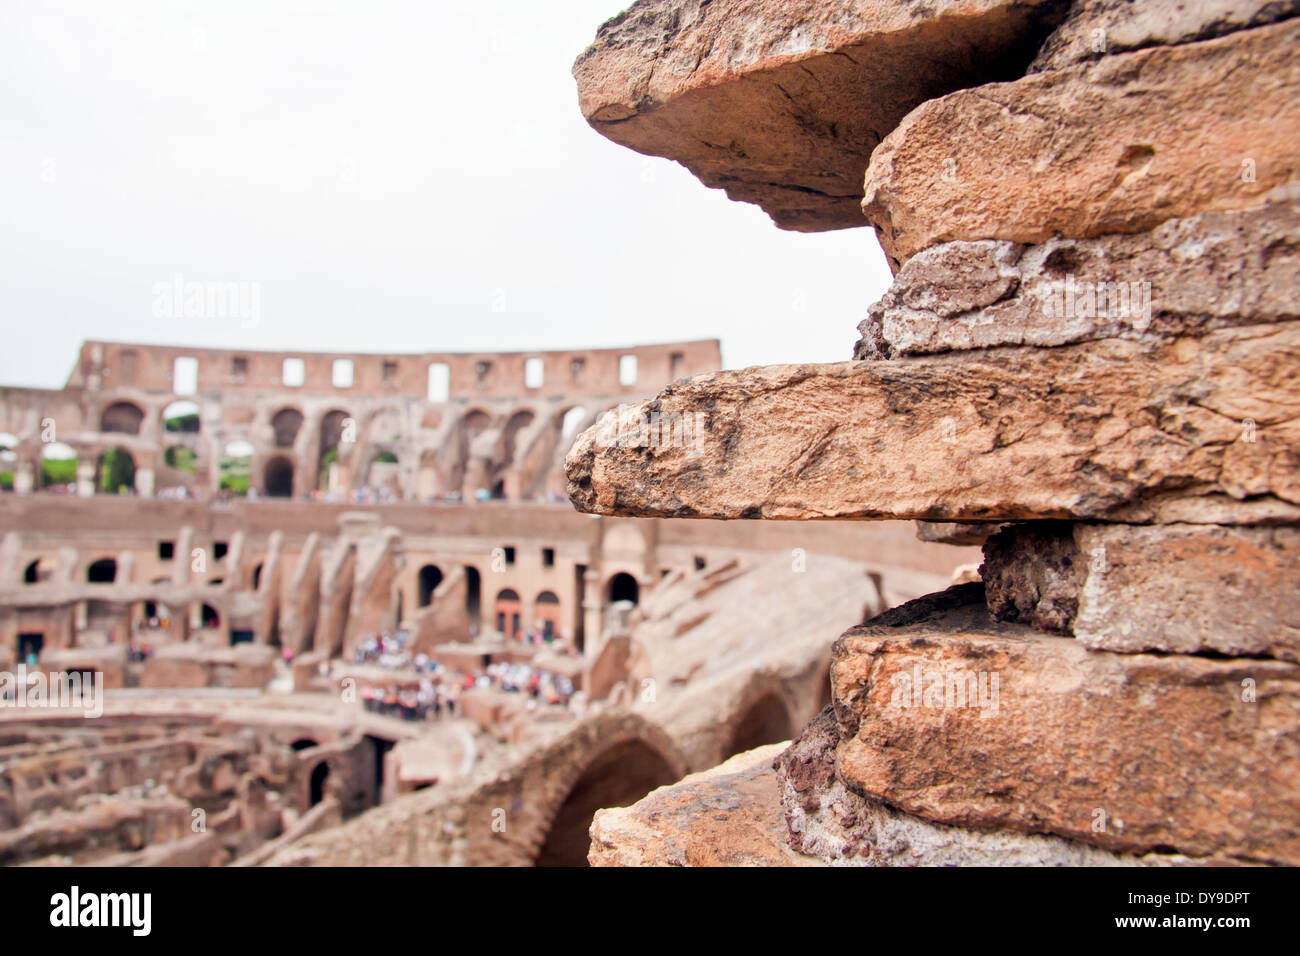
column 391, row 174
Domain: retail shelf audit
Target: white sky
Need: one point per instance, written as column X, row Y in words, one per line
column 381, row 168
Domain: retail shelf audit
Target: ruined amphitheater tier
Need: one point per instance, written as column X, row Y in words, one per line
column 415, row 427
column 1087, row 360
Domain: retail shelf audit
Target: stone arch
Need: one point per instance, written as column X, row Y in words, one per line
column 209, row 616
column 235, row 467
column 103, row 571
column 472, row 424
column 620, row 770
column 430, row 576
column 546, row 614
column 507, row 612
column 181, row 458
column 316, row 783
column 285, row 425
column 277, row 477
column 474, row 597
column 39, row 570
column 333, row 431
column 8, row 459
column 114, row 471
column 385, row 472
column 121, row 418
column 58, row 465
column 622, row 587
column 765, row 720
column 181, row 417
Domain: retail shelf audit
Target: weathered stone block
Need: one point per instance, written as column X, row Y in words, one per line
column 829, row 821
column 958, row 719
column 1214, row 270
column 729, row 815
column 1202, row 430
column 1095, row 28
column 1117, row 145
column 780, row 102
column 1189, row 589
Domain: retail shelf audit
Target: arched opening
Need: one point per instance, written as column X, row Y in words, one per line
column 181, row 418
column 385, row 474
column 180, row 457
column 115, row 472
column 473, row 597
column 506, row 612
column 620, row 776
column 471, row 425
column 58, row 467
column 286, row 423
column 208, row 617
column 277, row 477
column 8, row 460
column 546, row 614
column 319, row 775
column 234, row 468
column 42, row 569
column 766, row 722
column 336, row 429
column 571, row 420
column 430, row 578
column 103, row 571
column 256, row 581
column 623, row 587
column 121, row 418
column 304, row 743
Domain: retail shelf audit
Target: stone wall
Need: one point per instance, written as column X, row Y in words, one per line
column 1087, row 360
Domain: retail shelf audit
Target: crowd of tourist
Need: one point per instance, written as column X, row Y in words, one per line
column 430, row 700
column 440, row 687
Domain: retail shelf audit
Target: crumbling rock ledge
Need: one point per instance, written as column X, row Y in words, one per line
column 1115, row 145
column 1197, row 429
column 729, row 815
column 830, row 822
column 780, row 102
column 953, row 717
column 1096, row 28
column 1186, row 276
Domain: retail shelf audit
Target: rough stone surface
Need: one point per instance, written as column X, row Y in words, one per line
column 1117, row 145
column 1188, row 589
column 1134, row 753
column 1032, row 573
column 1095, row 28
column 729, row 815
column 1201, row 430
column 1214, row 270
column 780, row 102
column 955, row 532
column 1191, row 589
column 829, row 821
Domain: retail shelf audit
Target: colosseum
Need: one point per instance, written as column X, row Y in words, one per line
column 240, row 528
column 1010, row 582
